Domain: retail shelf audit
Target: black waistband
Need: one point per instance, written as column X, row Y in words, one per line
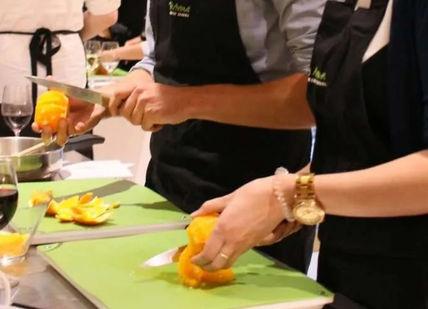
column 33, row 33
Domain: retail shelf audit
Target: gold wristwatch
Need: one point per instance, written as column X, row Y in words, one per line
column 306, row 209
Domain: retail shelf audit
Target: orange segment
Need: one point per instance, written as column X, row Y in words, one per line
column 40, row 198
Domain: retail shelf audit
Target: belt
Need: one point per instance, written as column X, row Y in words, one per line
column 43, row 46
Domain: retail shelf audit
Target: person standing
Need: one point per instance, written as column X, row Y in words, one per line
column 218, row 59
column 368, row 91
column 44, row 37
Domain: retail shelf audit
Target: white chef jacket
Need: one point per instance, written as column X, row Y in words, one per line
column 68, row 64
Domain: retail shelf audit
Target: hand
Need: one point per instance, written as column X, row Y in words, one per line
column 153, row 105
column 108, row 55
column 283, row 230
column 84, row 116
column 248, row 216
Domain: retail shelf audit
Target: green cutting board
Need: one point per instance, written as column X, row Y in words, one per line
column 139, row 205
column 111, row 277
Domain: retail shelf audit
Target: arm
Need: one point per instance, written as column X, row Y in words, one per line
column 278, row 104
column 397, row 188
column 127, row 52
column 94, row 24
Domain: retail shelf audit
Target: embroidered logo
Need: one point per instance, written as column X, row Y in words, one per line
column 318, row 78
column 179, row 10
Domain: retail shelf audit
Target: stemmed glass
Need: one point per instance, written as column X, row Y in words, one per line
column 110, row 64
column 8, row 192
column 17, row 107
column 92, row 51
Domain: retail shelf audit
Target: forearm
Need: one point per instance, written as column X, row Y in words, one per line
column 133, row 79
column 94, row 24
column 279, row 104
column 128, row 52
column 397, row 188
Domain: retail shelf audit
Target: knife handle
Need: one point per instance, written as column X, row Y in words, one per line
column 105, row 100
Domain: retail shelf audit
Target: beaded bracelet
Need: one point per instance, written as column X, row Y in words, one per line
column 279, row 194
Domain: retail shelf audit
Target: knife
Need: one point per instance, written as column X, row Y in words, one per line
column 83, row 94
column 167, row 257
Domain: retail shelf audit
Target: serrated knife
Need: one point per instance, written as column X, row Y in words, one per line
column 86, row 95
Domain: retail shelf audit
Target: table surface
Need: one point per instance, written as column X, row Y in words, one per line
column 42, row 286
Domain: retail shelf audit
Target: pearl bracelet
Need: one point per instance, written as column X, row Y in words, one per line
column 279, row 194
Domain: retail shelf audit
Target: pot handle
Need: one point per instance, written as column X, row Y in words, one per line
column 83, row 141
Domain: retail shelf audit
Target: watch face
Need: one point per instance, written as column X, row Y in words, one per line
column 308, row 212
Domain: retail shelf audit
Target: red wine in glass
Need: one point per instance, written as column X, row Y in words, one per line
column 8, row 204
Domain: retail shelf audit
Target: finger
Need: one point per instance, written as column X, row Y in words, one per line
column 225, row 258
column 36, row 128
column 116, row 101
column 215, row 205
column 91, row 122
column 46, row 134
column 210, row 251
column 150, row 119
column 62, row 133
column 270, row 239
column 137, row 115
column 280, row 232
column 126, row 109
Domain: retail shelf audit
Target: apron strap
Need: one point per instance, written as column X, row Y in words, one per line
column 43, row 45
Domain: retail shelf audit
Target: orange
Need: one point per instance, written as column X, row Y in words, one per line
column 12, row 244
column 198, row 232
column 51, row 106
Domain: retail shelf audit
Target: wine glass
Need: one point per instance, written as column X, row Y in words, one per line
column 110, row 64
column 8, row 191
column 92, row 51
column 17, row 107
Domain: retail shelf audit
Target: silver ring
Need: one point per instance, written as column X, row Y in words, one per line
column 224, row 256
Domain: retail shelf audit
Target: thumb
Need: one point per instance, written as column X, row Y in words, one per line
column 216, row 205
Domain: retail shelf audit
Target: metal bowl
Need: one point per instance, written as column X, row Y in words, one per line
column 38, row 166
column 45, row 163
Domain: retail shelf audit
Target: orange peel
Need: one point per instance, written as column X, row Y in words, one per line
column 85, row 210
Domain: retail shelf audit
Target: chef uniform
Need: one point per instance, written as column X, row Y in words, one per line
column 40, row 37
column 212, row 42
column 366, row 117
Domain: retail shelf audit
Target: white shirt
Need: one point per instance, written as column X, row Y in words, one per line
column 29, row 15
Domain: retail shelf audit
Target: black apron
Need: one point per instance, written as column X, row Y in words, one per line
column 43, row 46
column 198, row 43
column 377, row 262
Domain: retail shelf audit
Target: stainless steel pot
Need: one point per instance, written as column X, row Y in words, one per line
column 45, row 163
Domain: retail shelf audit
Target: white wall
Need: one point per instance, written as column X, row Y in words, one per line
column 124, row 142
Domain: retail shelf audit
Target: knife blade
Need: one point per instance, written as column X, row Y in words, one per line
column 86, row 95
column 167, row 257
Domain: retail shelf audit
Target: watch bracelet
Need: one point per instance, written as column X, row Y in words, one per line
column 305, row 187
